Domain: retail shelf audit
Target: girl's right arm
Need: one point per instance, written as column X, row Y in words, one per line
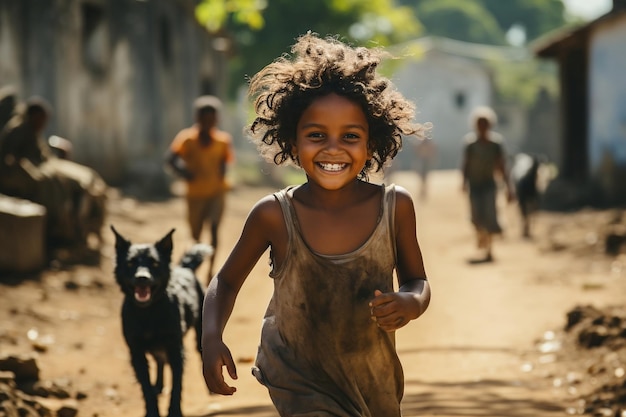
column 258, row 234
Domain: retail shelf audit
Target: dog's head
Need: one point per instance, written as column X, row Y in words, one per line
column 142, row 270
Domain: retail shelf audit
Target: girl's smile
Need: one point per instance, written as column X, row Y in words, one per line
column 332, row 167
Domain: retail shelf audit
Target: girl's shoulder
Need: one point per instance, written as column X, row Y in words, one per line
column 400, row 191
column 404, row 200
column 267, row 210
column 268, row 204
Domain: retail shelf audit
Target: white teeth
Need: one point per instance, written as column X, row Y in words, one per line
column 332, row 167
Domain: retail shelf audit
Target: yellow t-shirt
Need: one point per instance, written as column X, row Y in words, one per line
column 205, row 162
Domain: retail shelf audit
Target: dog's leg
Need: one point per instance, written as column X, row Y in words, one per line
column 140, row 365
column 176, row 360
column 158, row 386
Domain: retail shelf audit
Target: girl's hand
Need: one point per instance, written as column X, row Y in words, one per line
column 393, row 310
column 216, row 355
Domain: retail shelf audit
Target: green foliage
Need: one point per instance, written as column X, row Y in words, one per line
column 521, row 81
column 476, row 18
column 462, row 20
column 215, row 13
column 488, row 22
column 535, row 16
column 263, row 30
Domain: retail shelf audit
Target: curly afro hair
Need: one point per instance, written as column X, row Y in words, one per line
column 285, row 88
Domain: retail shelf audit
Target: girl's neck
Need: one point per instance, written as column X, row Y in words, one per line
column 335, row 222
column 312, row 195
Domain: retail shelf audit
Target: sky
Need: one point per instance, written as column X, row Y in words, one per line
column 588, row 9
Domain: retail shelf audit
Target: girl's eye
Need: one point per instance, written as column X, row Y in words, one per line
column 316, row 135
column 352, row 137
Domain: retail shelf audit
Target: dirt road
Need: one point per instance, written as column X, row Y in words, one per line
column 471, row 354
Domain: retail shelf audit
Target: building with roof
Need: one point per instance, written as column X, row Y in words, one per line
column 592, row 68
column 120, row 75
column 447, row 79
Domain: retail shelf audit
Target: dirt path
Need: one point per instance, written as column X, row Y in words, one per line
column 469, row 355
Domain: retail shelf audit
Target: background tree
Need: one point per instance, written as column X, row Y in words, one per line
column 488, row 21
column 261, row 30
column 460, row 19
column 536, row 17
column 499, row 22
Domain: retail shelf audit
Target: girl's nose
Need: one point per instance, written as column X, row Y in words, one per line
column 333, row 144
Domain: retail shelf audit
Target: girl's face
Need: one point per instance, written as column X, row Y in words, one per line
column 332, row 141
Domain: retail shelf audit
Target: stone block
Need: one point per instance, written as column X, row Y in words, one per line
column 22, row 235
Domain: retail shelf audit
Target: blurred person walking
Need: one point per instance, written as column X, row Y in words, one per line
column 200, row 155
column 425, row 152
column 484, row 164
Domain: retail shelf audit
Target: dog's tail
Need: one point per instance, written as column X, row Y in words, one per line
column 196, row 255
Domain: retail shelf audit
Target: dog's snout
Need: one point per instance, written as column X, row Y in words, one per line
column 143, row 273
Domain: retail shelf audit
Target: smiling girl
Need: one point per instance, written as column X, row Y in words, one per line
column 328, row 339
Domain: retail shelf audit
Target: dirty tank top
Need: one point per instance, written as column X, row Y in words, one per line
column 320, row 352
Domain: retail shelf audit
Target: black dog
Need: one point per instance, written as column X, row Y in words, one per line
column 524, row 175
column 161, row 303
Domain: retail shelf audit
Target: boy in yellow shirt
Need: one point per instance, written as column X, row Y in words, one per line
column 200, row 154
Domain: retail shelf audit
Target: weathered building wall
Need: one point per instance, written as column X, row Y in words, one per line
column 445, row 90
column 447, row 79
column 592, row 63
column 607, row 107
column 543, row 137
column 121, row 76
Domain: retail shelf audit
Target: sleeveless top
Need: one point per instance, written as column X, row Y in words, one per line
column 320, row 352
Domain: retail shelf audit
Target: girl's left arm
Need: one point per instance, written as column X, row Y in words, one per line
column 394, row 310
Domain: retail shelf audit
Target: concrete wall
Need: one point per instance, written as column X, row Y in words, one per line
column 445, row 90
column 446, row 87
column 543, row 132
column 607, row 107
column 607, row 92
column 120, row 75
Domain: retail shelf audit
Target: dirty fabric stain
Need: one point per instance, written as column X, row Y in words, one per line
column 320, row 353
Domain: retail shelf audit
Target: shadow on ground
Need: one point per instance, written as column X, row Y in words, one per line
column 484, row 398
column 256, row 411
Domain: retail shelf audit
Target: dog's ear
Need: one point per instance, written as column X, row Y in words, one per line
column 165, row 245
column 121, row 244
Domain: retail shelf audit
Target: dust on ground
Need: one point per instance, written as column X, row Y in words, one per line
column 540, row 332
